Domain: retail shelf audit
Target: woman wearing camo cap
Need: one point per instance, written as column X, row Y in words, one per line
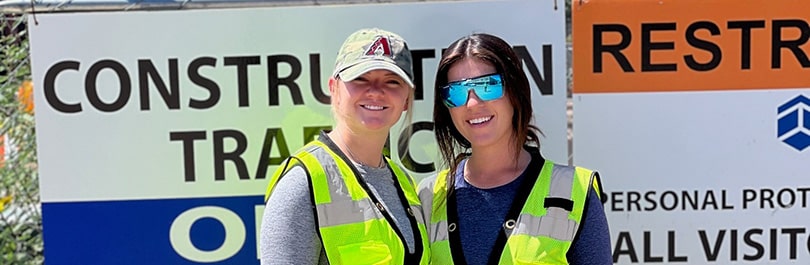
column 339, row 200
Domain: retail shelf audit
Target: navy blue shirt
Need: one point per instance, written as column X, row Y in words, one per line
column 481, row 213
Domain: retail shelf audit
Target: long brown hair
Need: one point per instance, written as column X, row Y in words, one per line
column 494, row 50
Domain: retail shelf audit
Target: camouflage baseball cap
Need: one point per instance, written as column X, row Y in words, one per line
column 373, row 49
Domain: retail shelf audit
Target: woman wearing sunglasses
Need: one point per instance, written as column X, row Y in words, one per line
column 500, row 201
column 339, row 200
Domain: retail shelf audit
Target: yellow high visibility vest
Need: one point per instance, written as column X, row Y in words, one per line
column 543, row 231
column 353, row 225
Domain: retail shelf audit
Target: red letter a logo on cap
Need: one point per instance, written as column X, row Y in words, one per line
column 380, row 46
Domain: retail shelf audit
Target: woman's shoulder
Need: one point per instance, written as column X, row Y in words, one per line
column 293, row 183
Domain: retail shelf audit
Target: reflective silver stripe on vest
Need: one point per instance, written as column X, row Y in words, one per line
column 553, row 227
column 555, row 222
column 342, row 209
column 341, row 212
column 438, row 231
column 417, row 213
column 562, row 181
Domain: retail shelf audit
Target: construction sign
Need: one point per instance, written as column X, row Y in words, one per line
column 697, row 114
column 158, row 130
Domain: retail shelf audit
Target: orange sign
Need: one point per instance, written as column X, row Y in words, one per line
column 690, row 45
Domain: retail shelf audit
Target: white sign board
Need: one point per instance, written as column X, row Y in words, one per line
column 157, row 131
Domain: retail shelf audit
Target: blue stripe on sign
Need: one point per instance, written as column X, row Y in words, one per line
column 138, row 231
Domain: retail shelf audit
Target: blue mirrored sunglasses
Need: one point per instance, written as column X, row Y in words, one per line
column 487, row 87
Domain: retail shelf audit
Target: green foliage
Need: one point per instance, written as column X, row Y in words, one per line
column 21, row 216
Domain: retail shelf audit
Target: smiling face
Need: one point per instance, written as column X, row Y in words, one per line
column 372, row 102
column 482, row 123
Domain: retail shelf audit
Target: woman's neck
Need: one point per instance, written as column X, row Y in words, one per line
column 495, row 166
column 365, row 149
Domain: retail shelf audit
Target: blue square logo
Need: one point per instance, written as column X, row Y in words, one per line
column 793, row 124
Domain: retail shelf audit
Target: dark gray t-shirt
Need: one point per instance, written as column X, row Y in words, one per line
column 297, row 241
